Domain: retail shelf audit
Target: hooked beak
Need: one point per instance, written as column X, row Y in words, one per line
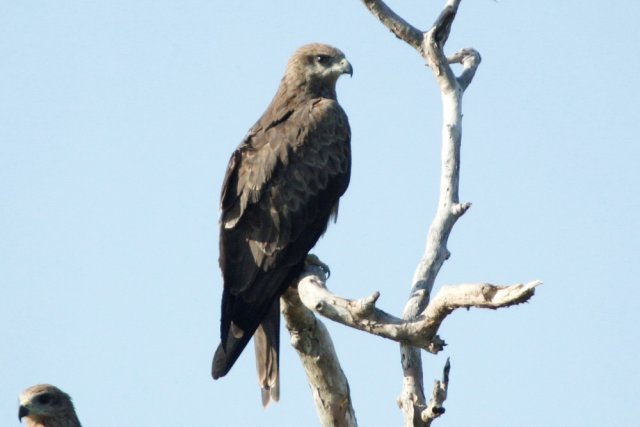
column 346, row 67
column 22, row 412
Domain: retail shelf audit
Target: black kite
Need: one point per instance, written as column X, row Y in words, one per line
column 280, row 190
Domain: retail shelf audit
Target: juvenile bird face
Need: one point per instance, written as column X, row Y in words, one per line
column 44, row 404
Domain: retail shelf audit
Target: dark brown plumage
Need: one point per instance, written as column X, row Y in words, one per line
column 44, row 405
column 281, row 187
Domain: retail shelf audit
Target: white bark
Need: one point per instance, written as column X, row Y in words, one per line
column 438, row 396
column 329, row 385
column 421, row 318
column 412, row 399
column 327, row 381
column 419, row 332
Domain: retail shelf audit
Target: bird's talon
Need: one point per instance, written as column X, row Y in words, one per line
column 315, row 261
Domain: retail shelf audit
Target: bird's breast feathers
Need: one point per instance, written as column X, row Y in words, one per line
column 308, row 147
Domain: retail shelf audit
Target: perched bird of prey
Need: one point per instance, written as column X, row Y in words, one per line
column 281, row 187
column 44, row 405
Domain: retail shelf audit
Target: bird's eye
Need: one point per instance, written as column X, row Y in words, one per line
column 323, row 59
column 44, row 399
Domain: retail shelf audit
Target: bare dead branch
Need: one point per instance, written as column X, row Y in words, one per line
column 470, row 59
column 329, row 385
column 398, row 26
column 433, row 47
column 412, row 399
column 362, row 314
column 478, row 295
column 438, row 396
column 421, row 318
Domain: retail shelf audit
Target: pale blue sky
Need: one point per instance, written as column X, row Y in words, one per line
column 116, row 122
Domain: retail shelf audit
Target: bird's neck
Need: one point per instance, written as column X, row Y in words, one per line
column 296, row 91
column 293, row 93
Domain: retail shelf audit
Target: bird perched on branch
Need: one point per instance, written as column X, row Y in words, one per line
column 280, row 190
column 44, row 405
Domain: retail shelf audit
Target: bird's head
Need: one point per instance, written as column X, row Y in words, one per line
column 317, row 67
column 44, row 404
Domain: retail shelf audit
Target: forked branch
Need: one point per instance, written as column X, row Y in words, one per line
column 420, row 332
column 422, row 317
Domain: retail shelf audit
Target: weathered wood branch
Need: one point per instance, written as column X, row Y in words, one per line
column 449, row 209
column 329, row 385
column 470, row 59
column 421, row 316
column 310, row 338
column 419, row 332
column 412, row 399
column 438, row 396
column 398, row 26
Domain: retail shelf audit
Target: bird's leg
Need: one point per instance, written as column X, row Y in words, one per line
column 315, row 261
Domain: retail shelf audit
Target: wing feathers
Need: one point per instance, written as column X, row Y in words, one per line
column 281, row 187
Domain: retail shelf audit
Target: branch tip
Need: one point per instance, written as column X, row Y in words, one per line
column 439, row 394
column 436, row 345
column 459, row 209
column 364, row 307
column 442, row 27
